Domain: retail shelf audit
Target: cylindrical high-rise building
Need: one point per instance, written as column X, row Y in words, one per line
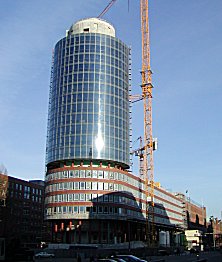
column 89, row 112
column 90, row 196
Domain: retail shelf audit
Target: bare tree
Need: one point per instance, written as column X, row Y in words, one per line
column 3, row 170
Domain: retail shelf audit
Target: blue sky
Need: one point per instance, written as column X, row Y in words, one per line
column 186, row 60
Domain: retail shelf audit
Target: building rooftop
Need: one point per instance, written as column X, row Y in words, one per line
column 92, row 25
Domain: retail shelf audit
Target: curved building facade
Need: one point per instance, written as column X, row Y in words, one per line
column 89, row 112
column 90, row 197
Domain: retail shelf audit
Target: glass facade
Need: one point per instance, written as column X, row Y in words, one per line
column 89, row 112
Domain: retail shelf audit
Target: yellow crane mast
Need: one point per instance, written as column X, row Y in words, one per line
column 146, row 151
column 147, row 86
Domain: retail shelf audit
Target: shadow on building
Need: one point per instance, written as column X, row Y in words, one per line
column 116, row 218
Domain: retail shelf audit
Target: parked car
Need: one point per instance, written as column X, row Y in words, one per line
column 106, row 260
column 118, row 259
column 129, row 258
column 44, row 255
column 194, row 251
column 163, row 252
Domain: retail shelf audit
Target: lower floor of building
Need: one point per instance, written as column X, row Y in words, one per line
column 98, row 231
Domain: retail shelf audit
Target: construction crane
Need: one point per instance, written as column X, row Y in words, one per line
column 147, row 86
column 145, row 152
column 139, row 152
column 106, row 8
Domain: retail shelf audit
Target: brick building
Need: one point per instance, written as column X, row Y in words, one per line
column 21, row 210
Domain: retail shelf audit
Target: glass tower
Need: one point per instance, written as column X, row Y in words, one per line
column 90, row 196
column 89, row 108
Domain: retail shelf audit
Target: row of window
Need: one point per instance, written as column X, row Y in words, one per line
column 116, row 68
column 101, row 174
column 93, row 198
column 92, row 48
column 85, row 152
column 25, row 195
column 167, row 197
column 93, row 210
column 91, row 130
column 88, row 141
column 92, row 78
column 76, row 143
column 88, row 87
column 88, row 99
column 117, row 78
column 94, row 186
column 91, row 39
column 26, row 189
column 88, row 119
column 94, row 38
column 111, row 199
column 104, row 210
column 103, row 51
column 92, row 63
column 85, row 186
column 169, row 214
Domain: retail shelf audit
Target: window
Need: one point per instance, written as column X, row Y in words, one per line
column 94, row 197
column 86, row 30
column 106, row 198
column 65, row 174
column 64, row 198
column 116, row 199
column 56, row 198
column 100, row 186
column 106, row 173
column 100, row 174
column 82, row 209
column 106, row 186
column 88, row 197
column 82, row 173
column 94, row 173
column 76, row 197
column 82, row 197
column 82, row 185
column 100, row 198
column 110, row 186
column 76, row 173
column 70, row 197
column 110, row 198
column 76, row 185
column 60, row 198
column 94, row 185
column 88, row 185
column 88, row 173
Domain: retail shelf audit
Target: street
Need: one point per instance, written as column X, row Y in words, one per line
column 209, row 256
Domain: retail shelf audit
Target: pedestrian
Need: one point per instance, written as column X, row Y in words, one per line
column 92, row 259
column 79, row 258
